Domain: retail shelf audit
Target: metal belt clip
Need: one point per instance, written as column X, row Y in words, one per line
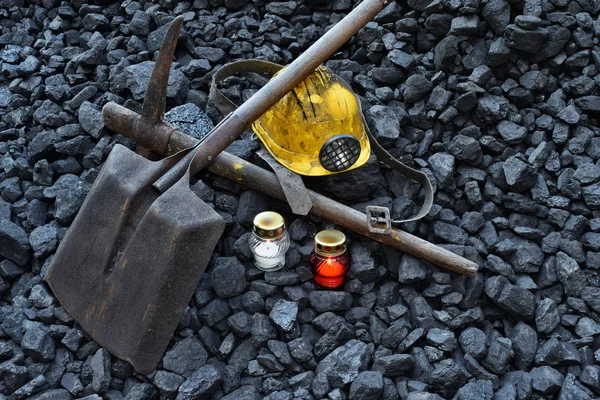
column 379, row 220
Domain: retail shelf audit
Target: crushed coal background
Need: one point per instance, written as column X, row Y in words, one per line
column 496, row 100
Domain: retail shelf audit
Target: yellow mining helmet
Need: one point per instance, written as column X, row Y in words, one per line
column 317, row 128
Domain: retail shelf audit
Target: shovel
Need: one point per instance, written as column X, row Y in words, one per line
column 130, row 261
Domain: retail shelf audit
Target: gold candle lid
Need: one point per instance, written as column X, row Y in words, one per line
column 268, row 225
column 330, row 242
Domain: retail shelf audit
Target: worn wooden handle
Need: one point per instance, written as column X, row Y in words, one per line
column 248, row 174
column 124, row 121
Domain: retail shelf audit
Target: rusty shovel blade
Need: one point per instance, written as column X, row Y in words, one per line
column 131, row 260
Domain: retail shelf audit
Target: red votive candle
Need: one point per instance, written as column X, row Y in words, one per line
column 329, row 260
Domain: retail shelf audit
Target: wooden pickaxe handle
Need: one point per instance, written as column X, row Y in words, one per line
column 123, row 120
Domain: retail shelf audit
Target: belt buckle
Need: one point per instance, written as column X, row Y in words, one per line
column 379, row 220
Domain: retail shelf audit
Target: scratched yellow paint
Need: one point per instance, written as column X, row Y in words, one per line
column 237, row 166
column 298, row 125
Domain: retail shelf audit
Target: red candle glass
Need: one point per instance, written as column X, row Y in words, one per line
column 330, row 260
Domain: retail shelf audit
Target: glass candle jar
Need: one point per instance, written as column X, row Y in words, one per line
column 330, row 260
column 269, row 241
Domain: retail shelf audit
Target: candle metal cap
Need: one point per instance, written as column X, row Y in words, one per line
column 330, row 242
column 268, row 225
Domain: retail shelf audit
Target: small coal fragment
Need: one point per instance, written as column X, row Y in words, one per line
column 491, row 109
column 190, row 120
column 510, row 297
column 384, row 124
column 367, row 385
column 442, row 339
column 201, row 384
column 323, row 301
column 525, row 340
column 344, row 364
column 411, row 269
column 546, row 316
column 519, row 175
column 417, row 87
column 466, row 149
column 393, row 365
column 136, row 78
column 284, row 314
column 448, row 377
column 247, row 392
column 511, row 132
column 591, row 295
column 473, row 341
column 528, row 41
column 554, row 352
column 43, row 240
column 90, row 118
column 185, row 357
column 445, row 52
column 572, row 389
column 100, row 365
column 497, row 15
column 442, row 166
column 38, row 344
column 167, row 383
column 480, row 389
column 591, row 377
column 14, row 243
column 499, row 355
column 228, row 277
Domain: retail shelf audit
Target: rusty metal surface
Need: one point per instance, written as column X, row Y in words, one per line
column 155, row 99
column 378, row 220
column 131, row 259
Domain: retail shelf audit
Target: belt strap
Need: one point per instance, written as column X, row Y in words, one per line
column 293, row 187
column 378, row 217
column 404, row 170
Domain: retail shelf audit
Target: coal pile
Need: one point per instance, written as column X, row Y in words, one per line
column 497, row 101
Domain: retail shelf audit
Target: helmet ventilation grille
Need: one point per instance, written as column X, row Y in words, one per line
column 339, row 153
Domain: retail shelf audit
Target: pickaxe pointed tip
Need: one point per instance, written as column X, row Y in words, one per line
column 156, row 94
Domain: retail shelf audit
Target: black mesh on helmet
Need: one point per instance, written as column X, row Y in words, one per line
column 339, row 153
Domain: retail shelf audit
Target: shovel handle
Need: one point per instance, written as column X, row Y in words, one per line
column 163, row 183
column 170, row 177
